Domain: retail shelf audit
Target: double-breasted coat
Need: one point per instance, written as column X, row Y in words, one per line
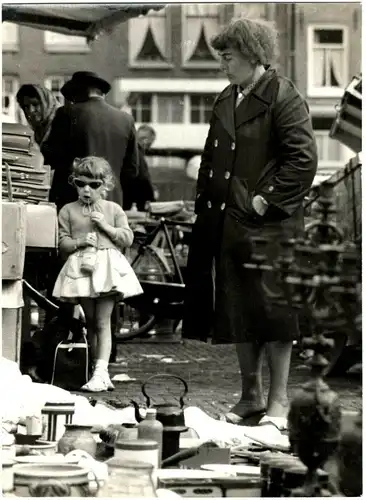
column 265, row 146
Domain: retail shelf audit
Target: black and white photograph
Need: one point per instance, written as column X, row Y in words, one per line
column 181, row 250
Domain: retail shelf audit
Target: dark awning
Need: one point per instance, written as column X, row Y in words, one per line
column 89, row 20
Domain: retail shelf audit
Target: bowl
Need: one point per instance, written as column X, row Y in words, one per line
column 40, row 447
column 26, row 439
column 46, row 459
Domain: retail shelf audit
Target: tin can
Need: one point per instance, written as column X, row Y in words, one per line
column 275, row 474
column 34, row 425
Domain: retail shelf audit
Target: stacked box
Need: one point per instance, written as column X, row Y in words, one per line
column 24, row 176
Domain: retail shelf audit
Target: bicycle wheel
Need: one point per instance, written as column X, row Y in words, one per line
column 150, row 265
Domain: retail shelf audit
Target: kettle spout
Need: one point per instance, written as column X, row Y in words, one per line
column 138, row 416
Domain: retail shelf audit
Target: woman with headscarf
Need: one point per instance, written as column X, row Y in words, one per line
column 47, row 118
column 39, row 106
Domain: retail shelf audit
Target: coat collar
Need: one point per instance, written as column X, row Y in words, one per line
column 258, row 102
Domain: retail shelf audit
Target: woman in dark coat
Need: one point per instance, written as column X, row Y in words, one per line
column 258, row 162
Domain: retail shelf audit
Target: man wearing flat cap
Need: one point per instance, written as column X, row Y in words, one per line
column 92, row 128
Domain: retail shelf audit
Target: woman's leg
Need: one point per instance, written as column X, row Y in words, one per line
column 250, row 357
column 279, row 360
column 89, row 308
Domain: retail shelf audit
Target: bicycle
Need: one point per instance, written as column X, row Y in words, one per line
column 154, row 258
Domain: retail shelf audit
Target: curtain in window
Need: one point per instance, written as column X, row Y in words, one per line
column 319, row 68
column 336, row 68
column 138, row 29
column 198, row 17
column 170, row 108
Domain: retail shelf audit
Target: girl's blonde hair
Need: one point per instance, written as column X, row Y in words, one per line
column 94, row 168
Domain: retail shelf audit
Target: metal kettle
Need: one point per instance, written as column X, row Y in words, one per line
column 170, row 415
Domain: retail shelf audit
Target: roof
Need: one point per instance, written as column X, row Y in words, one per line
column 81, row 19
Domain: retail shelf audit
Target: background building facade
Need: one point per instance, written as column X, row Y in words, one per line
column 165, row 73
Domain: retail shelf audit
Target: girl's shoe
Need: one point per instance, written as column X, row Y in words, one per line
column 98, row 382
column 109, row 383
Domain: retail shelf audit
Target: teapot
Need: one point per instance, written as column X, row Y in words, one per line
column 170, row 415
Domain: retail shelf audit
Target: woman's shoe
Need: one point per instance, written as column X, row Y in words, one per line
column 249, row 419
column 270, row 432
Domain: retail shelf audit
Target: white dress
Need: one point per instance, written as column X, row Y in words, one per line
column 112, row 275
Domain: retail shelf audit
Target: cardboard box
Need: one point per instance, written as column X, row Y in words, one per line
column 42, row 226
column 14, row 217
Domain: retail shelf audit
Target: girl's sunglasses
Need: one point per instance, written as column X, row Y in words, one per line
column 92, row 184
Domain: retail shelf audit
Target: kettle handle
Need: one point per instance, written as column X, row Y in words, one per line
column 181, row 399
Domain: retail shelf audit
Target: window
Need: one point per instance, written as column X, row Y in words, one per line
column 330, row 151
column 327, row 61
column 170, row 108
column 251, row 10
column 201, row 107
column 9, row 92
column 149, row 40
column 57, row 42
column 10, row 37
column 141, row 107
column 55, row 83
column 200, row 23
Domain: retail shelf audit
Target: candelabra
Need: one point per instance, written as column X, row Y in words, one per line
column 319, row 275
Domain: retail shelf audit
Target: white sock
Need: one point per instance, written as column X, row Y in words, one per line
column 100, row 363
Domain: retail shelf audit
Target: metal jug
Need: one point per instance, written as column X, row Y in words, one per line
column 170, row 415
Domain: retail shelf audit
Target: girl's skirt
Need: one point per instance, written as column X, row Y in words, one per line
column 112, row 275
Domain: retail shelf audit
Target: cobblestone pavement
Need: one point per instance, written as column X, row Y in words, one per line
column 211, row 372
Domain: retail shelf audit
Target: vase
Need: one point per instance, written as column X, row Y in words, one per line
column 77, row 437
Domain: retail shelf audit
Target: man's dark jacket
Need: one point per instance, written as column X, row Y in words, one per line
column 140, row 189
column 265, row 147
column 91, row 128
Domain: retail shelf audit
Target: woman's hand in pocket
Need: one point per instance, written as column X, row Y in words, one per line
column 259, row 205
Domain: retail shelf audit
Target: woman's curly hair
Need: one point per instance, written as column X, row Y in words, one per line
column 256, row 40
column 94, row 168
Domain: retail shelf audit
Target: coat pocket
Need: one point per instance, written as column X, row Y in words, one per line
column 240, row 198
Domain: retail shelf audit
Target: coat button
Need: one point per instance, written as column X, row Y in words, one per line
column 227, row 175
column 270, row 189
column 222, row 206
column 210, row 174
column 233, row 146
column 216, row 143
column 209, row 204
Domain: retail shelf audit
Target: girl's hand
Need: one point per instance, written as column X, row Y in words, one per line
column 89, row 240
column 99, row 220
column 96, row 217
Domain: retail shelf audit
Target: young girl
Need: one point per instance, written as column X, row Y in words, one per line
column 92, row 233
